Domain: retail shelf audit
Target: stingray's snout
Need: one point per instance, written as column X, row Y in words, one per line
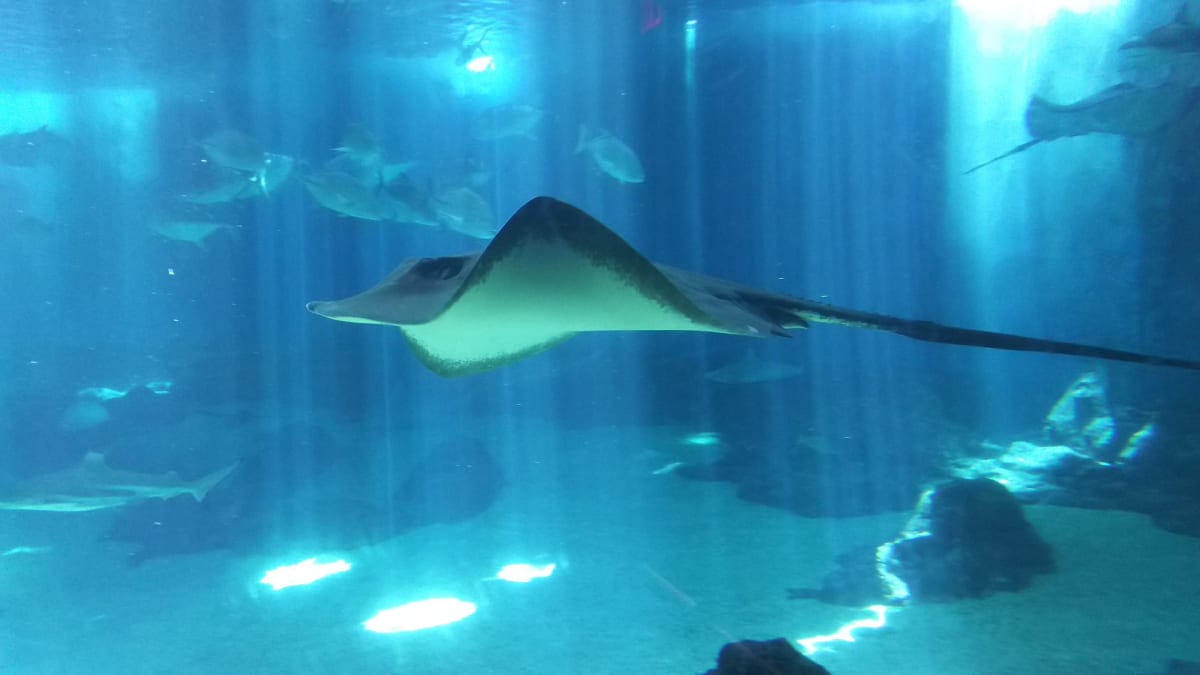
column 341, row 310
column 328, row 309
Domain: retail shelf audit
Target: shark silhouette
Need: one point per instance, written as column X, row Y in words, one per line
column 92, row 485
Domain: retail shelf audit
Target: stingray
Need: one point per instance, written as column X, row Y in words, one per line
column 554, row 271
column 1168, row 53
column 1178, row 35
column 1123, row 109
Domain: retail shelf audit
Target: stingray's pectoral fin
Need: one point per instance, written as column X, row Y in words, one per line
column 928, row 331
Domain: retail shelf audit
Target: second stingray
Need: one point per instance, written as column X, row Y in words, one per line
column 1124, row 110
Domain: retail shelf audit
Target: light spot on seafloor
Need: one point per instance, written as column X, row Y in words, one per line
column 419, row 615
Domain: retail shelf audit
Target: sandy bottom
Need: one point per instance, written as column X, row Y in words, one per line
column 654, row 574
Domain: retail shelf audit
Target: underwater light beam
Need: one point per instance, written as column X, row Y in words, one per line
column 1028, row 13
column 157, row 387
column 703, row 439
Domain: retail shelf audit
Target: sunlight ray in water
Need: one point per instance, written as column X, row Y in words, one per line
column 1029, row 13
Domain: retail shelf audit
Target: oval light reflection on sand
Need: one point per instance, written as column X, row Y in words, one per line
column 420, row 615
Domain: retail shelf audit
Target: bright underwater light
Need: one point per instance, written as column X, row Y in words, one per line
column 689, row 51
column 159, row 387
column 523, row 573
column 25, row 550
column 846, row 633
column 1028, row 13
column 302, row 573
column 480, row 64
column 703, row 439
column 419, row 615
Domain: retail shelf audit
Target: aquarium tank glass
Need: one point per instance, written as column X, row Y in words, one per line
column 599, row 336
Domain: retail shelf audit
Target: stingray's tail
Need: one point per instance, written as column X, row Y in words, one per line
column 928, row 331
column 1020, row 148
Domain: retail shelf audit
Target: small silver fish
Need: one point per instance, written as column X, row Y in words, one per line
column 359, row 145
column 505, row 121
column 465, row 211
column 409, row 203
column 235, row 150
column 342, row 193
column 196, row 232
column 611, row 155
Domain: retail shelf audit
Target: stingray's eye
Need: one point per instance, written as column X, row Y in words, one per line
column 439, row 268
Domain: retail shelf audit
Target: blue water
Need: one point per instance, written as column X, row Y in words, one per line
column 809, row 149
